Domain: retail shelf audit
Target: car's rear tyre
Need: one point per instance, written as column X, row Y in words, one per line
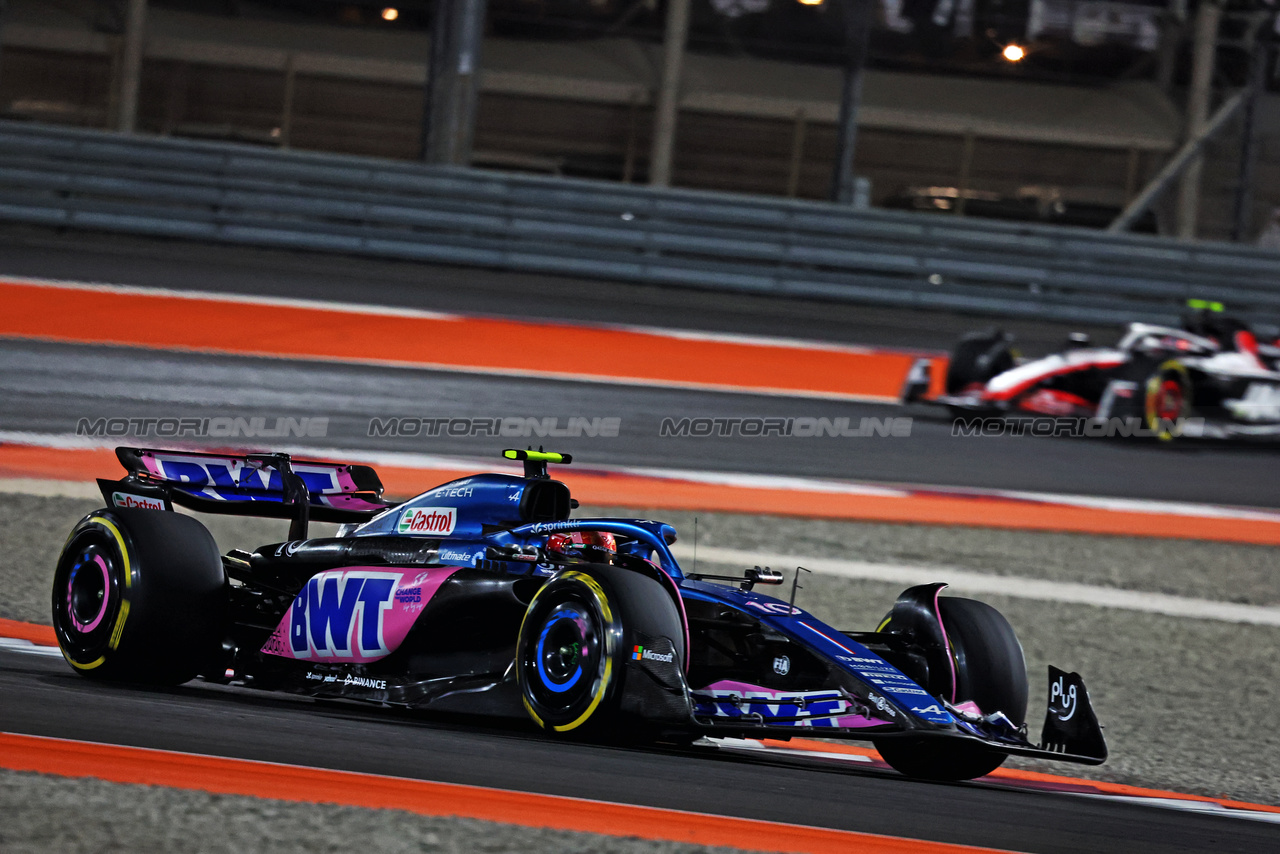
column 573, row 643
column 139, row 595
column 990, row 672
column 1167, row 398
column 977, row 358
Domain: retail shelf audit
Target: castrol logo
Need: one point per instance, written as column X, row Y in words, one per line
column 438, row 521
column 124, row 499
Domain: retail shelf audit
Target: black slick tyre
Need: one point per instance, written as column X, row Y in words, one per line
column 1166, row 399
column 139, row 595
column 573, row 645
column 977, row 358
column 990, row 672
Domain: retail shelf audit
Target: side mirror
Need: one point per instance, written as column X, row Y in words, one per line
column 756, row 575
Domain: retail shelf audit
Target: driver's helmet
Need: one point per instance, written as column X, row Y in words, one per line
column 1230, row 332
column 595, row 546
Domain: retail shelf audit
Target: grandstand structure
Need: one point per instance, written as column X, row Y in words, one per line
column 584, row 107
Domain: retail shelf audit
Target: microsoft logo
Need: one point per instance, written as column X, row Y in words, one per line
column 642, row 654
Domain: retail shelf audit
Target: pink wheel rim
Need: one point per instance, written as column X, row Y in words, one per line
column 85, row 628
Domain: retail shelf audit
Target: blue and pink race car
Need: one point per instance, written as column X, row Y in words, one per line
column 483, row 596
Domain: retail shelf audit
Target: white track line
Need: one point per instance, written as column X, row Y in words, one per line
column 49, row 488
column 735, row 480
column 28, row 648
column 968, row 581
column 1198, row 807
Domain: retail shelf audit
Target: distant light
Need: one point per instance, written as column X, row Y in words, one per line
column 810, row 2
column 390, row 14
column 1014, row 53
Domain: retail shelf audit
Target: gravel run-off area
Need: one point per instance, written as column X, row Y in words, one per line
column 1186, row 703
column 114, row 818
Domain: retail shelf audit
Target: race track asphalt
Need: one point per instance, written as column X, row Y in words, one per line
column 47, row 388
column 40, row 696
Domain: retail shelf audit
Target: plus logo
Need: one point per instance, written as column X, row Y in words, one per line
column 340, row 613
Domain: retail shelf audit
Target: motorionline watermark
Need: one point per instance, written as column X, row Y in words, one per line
column 1092, row 428
column 508, row 427
column 218, row 427
column 801, row 427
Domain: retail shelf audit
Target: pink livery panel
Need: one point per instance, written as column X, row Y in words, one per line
column 356, row 614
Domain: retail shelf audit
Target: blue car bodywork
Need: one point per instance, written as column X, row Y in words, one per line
column 460, row 564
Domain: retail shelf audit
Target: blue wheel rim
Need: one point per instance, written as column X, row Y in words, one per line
column 561, row 648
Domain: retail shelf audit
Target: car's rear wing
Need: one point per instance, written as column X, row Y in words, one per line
column 274, row 486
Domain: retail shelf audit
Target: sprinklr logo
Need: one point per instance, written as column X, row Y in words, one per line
column 640, row 653
column 428, row 520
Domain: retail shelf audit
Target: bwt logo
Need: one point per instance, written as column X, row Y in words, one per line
column 234, row 476
column 428, row 520
column 340, row 613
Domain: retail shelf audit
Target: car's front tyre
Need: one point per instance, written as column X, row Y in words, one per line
column 1167, row 400
column 977, row 358
column 990, row 672
column 568, row 661
column 584, row 634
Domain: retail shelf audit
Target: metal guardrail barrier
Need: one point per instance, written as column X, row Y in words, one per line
column 331, row 203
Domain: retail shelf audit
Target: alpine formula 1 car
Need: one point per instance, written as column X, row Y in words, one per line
column 1209, row 379
column 482, row 596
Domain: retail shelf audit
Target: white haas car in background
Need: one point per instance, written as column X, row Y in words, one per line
column 1210, row 379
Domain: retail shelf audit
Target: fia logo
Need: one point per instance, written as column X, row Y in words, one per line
column 782, row 665
column 1062, row 699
